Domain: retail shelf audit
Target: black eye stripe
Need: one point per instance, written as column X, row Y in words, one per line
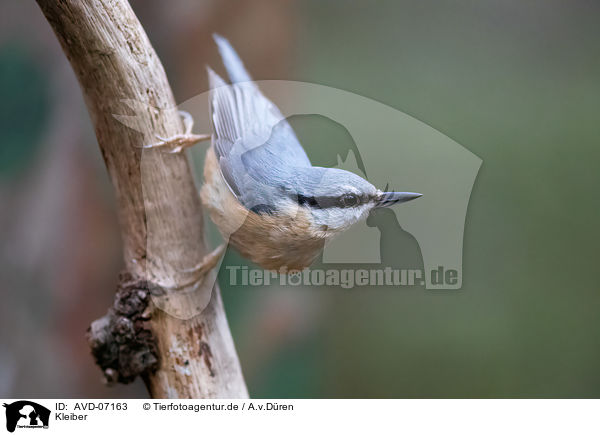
column 322, row 202
column 308, row 200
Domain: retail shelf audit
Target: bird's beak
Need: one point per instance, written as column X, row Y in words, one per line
column 387, row 199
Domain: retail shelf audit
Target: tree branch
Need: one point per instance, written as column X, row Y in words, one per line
column 159, row 210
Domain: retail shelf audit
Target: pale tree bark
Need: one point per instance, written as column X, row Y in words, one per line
column 159, row 210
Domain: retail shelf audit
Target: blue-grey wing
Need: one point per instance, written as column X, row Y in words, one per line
column 244, row 121
column 263, row 178
column 244, row 110
column 257, row 176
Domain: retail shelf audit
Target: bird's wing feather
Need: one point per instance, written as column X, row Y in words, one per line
column 243, row 119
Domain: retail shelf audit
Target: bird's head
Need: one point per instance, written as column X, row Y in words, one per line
column 337, row 198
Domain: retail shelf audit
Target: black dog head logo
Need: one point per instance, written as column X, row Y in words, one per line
column 31, row 414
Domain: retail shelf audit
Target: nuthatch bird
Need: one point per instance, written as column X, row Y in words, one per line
column 260, row 187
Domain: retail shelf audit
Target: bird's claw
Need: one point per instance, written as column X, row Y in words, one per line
column 199, row 272
column 209, row 261
column 177, row 143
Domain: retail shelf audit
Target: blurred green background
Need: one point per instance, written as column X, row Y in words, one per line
column 517, row 83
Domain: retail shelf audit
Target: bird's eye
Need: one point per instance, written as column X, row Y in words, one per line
column 349, row 200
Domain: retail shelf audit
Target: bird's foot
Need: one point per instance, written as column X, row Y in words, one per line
column 192, row 294
column 209, row 261
column 177, row 143
column 199, row 272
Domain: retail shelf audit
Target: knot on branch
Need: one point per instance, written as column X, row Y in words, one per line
column 121, row 341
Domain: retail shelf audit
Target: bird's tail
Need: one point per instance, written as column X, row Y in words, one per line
column 231, row 60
